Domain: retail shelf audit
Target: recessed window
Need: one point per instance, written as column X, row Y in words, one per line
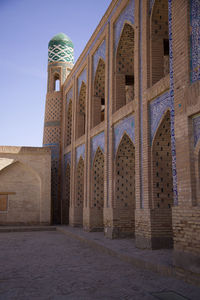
column 57, row 85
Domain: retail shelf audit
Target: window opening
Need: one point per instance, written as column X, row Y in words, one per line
column 57, row 85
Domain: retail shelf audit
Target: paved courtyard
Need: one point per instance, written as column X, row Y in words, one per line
column 51, row 265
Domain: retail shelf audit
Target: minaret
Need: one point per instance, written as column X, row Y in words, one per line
column 60, row 63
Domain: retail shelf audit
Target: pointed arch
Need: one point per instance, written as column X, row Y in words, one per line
column 99, row 79
column 162, row 164
column 98, row 101
column 162, row 116
column 162, row 182
column 69, row 124
column 122, row 137
column 124, row 67
column 124, row 176
column 97, row 199
column 79, row 191
column 81, row 111
column 17, row 163
column 159, row 41
column 23, row 180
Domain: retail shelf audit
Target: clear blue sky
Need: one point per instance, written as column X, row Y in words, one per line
column 26, row 28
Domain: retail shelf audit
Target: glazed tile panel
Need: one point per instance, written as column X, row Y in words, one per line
column 97, row 141
column 69, row 95
column 173, row 141
column 128, row 15
column 60, row 51
column 82, row 77
column 67, row 159
column 151, row 3
column 196, row 129
column 141, row 107
column 194, row 40
column 127, row 125
column 55, row 150
column 80, row 151
column 100, row 53
column 157, row 110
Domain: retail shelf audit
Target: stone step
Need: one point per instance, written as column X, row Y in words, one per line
column 26, row 228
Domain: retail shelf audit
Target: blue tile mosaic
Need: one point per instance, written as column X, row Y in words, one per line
column 126, row 125
column 171, row 74
column 127, row 15
column 194, row 40
column 80, row 151
column 97, row 141
column 196, row 129
column 55, row 150
column 141, row 108
column 157, row 108
column 67, row 159
column 100, row 53
column 151, row 3
column 52, row 123
column 69, row 95
column 82, row 77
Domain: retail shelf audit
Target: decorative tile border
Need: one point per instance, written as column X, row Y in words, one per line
column 52, row 123
column 151, row 4
column 80, row 151
column 100, row 53
column 128, row 14
column 126, row 125
column 173, row 142
column 97, row 141
column 194, row 40
column 141, row 107
column 196, row 128
column 82, row 77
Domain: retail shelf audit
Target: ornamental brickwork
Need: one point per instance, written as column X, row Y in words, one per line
column 125, row 127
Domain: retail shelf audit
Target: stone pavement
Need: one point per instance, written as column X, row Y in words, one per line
column 160, row 261
column 53, row 265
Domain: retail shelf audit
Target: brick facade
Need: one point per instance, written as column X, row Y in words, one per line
column 126, row 127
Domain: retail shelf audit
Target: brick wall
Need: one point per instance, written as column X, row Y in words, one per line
column 25, row 181
column 142, row 53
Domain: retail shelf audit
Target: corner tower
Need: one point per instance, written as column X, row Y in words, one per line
column 60, row 63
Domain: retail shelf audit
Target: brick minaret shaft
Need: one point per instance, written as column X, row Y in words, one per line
column 60, row 63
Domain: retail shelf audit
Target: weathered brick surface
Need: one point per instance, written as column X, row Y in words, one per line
column 25, row 174
column 142, row 205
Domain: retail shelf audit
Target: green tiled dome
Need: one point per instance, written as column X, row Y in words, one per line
column 61, row 48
